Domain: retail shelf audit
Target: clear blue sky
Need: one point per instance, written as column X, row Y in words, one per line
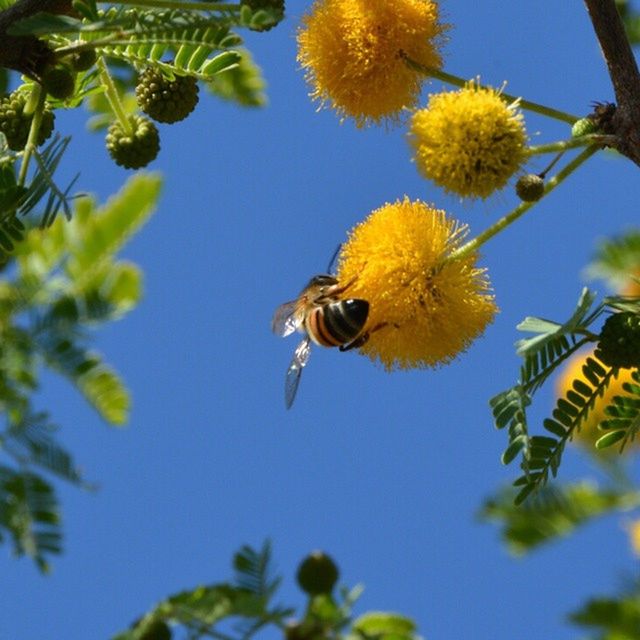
column 384, row 472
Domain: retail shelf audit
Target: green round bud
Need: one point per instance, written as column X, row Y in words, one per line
column 530, row 187
column 317, row 573
column 619, row 344
column 15, row 124
column 166, row 100
column 135, row 148
column 83, row 60
column 59, row 82
column 256, row 5
column 584, row 127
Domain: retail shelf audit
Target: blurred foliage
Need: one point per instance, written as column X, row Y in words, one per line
column 61, row 283
column 617, row 262
column 612, row 618
column 553, row 512
column 64, row 279
column 552, row 344
column 238, row 609
column 631, row 18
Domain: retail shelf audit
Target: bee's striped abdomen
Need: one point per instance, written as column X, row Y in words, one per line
column 337, row 323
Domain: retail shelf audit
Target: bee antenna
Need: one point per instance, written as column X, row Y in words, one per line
column 332, row 262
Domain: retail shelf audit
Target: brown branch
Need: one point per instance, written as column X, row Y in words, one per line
column 623, row 72
column 28, row 54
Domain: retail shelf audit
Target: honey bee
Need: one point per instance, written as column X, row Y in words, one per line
column 325, row 318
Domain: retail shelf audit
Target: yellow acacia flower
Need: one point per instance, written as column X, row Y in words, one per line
column 423, row 311
column 632, row 286
column 633, row 529
column 351, row 52
column 589, row 432
column 469, row 142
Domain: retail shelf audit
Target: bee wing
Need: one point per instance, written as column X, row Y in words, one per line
column 292, row 380
column 284, row 321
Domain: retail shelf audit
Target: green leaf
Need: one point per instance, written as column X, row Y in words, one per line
column 610, row 439
column 554, row 513
column 253, row 569
column 99, row 384
column 200, row 609
column 122, row 287
column 514, row 448
column 42, row 183
column 384, row 626
column 42, row 24
column 617, row 259
column 32, row 441
column 29, row 513
column 94, row 242
column 222, row 62
column 614, row 617
column 242, row 84
column 175, row 41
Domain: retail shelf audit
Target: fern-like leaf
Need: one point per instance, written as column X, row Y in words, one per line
column 545, row 453
column 379, row 625
column 554, row 342
column 29, row 514
column 200, row 609
column 99, row 384
column 243, row 84
column 176, row 41
column 10, row 192
column 623, row 423
column 99, row 234
column 553, row 512
column 614, row 617
column 617, row 259
column 43, row 184
column 253, row 569
column 31, row 442
column 510, row 409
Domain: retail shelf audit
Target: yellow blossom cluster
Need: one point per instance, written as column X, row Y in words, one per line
column 469, row 142
column 352, row 52
column 424, row 309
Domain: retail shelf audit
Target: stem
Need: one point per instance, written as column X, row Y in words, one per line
column 459, row 82
column 572, row 143
column 543, row 173
column 38, row 95
column 111, row 93
column 623, row 72
column 474, row 244
column 188, row 6
column 617, row 52
column 83, row 45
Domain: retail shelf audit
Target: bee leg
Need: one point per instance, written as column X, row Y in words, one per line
column 341, row 290
column 361, row 339
column 355, row 344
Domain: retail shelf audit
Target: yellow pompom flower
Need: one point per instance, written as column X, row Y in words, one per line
column 469, row 142
column 632, row 286
column 634, row 536
column 589, row 433
column 423, row 309
column 352, row 53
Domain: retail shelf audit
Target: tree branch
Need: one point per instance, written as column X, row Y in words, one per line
column 623, row 72
column 28, row 54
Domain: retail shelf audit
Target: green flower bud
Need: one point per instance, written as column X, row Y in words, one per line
column 134, row 149
column 619, row 344
column 317, row 573
column 530, row 187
